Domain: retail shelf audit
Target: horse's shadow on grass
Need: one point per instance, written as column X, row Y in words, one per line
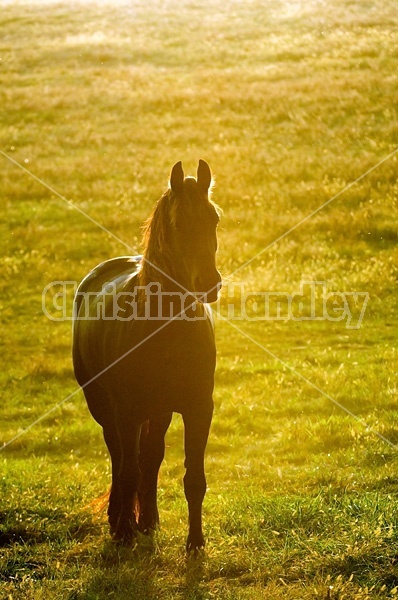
column 143, row 571
column 195, row 578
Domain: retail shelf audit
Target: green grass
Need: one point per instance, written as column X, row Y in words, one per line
column 289, row 102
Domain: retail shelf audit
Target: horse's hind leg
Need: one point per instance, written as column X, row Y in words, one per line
column 101, row 409
column 126, row 481
column 113, row 443
column 152, row 449
column 196, row 434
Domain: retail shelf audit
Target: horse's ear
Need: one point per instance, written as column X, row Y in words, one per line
column 204, row 175
column 177, row 177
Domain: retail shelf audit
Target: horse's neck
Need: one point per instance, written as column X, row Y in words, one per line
column 162, row 296
column 171, row 280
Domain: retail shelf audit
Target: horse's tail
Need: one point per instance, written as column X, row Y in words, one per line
column 136, row 506
column 98, row 505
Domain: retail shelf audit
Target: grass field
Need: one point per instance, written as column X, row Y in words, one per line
column 290, row 102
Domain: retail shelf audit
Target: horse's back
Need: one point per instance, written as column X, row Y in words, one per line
column 106, row 272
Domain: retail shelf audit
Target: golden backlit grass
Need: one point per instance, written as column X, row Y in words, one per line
column 289, row 102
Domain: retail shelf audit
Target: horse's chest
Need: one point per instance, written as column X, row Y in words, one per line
column 183, row 354
column 166, row 366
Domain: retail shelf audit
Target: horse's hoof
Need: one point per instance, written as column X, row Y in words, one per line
column 149, row 531
column 195, row 545
column 148, row 526
column 124, row 537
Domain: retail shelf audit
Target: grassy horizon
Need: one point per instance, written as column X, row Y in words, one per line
column 290, row 103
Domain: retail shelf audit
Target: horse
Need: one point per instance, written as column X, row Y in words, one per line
column 144, row 348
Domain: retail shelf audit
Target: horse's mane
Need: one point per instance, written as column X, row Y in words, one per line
column 157, row 254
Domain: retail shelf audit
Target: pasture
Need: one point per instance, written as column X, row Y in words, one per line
column 294, row 106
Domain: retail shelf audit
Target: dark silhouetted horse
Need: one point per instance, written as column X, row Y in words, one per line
column 143, row 348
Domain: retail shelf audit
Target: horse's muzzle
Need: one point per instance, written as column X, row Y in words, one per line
column 212, row 292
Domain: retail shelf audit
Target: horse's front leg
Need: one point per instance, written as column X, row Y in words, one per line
column 152, row 448
column 196, row 435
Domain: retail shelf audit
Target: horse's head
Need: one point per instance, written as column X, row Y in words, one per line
column 180, row 240
column 193, row 221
